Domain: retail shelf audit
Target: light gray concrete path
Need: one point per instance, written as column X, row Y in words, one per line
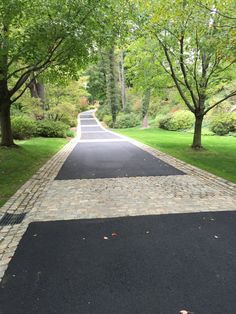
column 43, row 198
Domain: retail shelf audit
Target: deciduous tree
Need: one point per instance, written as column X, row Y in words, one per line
column 57, row 35
column 196, row 50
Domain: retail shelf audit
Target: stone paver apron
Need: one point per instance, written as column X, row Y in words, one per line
column 176, row 251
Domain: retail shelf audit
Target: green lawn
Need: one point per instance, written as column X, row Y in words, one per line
column 218, row 157
column 17, row 165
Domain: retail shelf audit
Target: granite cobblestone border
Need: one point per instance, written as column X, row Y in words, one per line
column 24, row 200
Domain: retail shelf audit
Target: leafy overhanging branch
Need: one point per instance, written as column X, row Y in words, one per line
column 220, row 101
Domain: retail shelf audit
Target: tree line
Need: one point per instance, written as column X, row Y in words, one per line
column 182, row 43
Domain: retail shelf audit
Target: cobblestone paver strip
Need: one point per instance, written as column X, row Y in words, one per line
column 100, row 198
column 24, row 200
column 44, row 199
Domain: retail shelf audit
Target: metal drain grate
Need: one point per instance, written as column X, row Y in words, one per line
column 12, row 219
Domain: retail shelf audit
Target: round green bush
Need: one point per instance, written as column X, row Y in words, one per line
column 49, row 128
column 23, row 127
column 70, row 133
column 179, row 120
column 163, row 121
column 127, row 120
column 223, row 123
column 107, row 119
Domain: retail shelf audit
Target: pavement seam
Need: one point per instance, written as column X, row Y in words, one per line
column 181, row 165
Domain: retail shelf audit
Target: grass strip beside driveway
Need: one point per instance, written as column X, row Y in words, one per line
column 17, row 165
column 218, row 156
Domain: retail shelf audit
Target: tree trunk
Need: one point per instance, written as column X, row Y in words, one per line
column 111, row 92
column 123, row 87
column 145, row 107
column 41, row 91
column 37, row 89
column 145, row 122
column 197, row 138
column 33, row 89
column 5, row 121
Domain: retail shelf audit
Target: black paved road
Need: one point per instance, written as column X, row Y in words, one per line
column 94, row 158
column 151, row 264
column 111, row 160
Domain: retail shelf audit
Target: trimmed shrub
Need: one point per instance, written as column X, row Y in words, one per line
column 70, row 133
column 163, row 121
column 23, row 127
column 107, row 119
column 102, row 111
column 223, row 123
column 179, row 120
column 127, row 121
column 48, row 128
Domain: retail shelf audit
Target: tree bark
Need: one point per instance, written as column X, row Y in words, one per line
column 5, row 97
column 145, row 107
column 37, row 89
column 33, row 89
column 197, row 138
column 123, row 87
column 111, row 92
column 145, row 122
column 41, row 91
column 5, row 121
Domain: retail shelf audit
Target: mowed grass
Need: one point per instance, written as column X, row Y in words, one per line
column 218, row 156
column 17, row 165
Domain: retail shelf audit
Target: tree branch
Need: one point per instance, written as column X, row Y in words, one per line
column 195, row 64
column 28, row 84
column 182, row 66
column 220, row 101
column 173, row 75
column 23, row 78
column 18, row 70
column 216, row 11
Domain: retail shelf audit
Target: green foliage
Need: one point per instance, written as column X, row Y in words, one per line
column 124, row 120
column 163, row 121
column 82, row 107
column 179, row 120
column 96, row 86
column 65, row 102
column 48, row 128
column 143, row 70
column 107, row 119
column 61, row 33
column 23, row 127
column 102, row 111
column 70, row 133
column 223, row 123
column 64, row 113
